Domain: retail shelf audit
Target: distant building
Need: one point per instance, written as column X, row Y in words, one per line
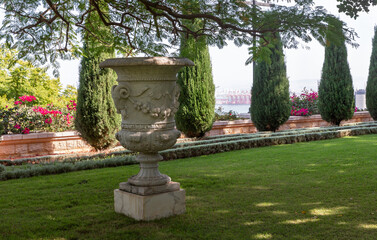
column 233, row 97
column 360, row 100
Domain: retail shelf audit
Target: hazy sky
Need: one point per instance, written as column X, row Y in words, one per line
column 303, row 66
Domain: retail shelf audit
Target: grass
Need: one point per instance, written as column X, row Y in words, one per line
column 318, row 190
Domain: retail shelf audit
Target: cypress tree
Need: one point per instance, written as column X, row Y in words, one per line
column 336, row 100
column 96, row 117
column 270, row 102
column 371, row 91
column 196, row 112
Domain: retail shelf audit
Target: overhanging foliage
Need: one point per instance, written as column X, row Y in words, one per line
column 45, row 30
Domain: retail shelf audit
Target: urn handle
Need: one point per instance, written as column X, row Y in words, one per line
column 120, row 94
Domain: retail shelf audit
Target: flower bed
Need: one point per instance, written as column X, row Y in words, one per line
column 304, row 104
column 24, row 117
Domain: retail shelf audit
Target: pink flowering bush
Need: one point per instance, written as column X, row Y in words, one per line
column 24, row 117
column 304, row 104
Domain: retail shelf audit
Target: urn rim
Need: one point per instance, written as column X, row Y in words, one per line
column 146, row 61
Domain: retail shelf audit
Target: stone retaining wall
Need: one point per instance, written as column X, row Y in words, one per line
column 247, row 126
column 38, row 144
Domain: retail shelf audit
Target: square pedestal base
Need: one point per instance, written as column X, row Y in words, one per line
column 150, row 207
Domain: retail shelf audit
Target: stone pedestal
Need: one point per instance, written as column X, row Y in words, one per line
column 149, row 207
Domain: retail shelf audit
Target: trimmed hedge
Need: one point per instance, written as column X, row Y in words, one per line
column 224, row 138
column 211, row 148
column 57, row 168
column 62, row 158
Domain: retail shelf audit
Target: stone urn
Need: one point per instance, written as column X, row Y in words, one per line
column 147, row 98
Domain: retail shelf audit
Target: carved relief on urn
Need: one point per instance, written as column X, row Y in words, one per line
column 147, row 98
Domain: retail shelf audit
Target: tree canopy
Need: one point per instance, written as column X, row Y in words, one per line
column 45, row 30
column 19, row 78
column 352, row 7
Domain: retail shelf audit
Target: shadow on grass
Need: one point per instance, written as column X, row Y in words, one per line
column 296, row 191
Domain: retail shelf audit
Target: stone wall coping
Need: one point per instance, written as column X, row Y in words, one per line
column 30, row 136
column 290, row 120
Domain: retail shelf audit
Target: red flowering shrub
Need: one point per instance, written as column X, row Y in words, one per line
column 304, row 104
column 23, row 117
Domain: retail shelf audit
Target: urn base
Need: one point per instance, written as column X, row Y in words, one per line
column 150, row 207
column 150, row 190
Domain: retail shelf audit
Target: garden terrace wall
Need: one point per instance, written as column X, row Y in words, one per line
column 38, row 144
column 294, row 122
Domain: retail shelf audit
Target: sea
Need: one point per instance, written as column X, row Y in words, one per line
column 236, row 108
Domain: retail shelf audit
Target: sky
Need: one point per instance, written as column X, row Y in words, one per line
column 303, row 66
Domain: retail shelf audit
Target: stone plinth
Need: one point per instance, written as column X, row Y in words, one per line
column 150, row 207
column 149, row 190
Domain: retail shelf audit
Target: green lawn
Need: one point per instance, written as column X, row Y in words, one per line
column 317, row 190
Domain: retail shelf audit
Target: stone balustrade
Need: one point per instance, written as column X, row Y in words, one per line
column 38, row 144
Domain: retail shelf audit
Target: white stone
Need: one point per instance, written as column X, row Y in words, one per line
column 150, row 207
column 147, row 97
column 149, row 190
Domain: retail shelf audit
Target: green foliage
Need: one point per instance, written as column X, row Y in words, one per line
column 336, row 95
column 96, row 117
column 19, row 78
column 153, row 27
column 24, row 117
column 352, row 7
column 304, row 104
column 226, row 145
column 195, row 115
column 270, row 102
column 5, row 102
column 220, row 115
column 2, row 168
column 371, row 91
column 57, row 168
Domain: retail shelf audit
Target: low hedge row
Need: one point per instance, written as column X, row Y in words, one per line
column 296, row 130
column 62, row 158
column 225, row 138
column 211, row 148
column 56, row 168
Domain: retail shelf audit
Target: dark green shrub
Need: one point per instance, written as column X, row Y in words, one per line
column 2, row 168
column 371, row 91
column 270, row 102
column 57, row 168
column 96, row 117
column 196, row 112
column 336, row 95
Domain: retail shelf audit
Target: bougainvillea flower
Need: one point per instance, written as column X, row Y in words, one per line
column 26, row 131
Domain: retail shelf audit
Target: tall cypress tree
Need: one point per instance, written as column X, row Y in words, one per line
column 270, row 103
column 336, row 101
column 371, row 91
column 196, row 112
column 96, row 117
